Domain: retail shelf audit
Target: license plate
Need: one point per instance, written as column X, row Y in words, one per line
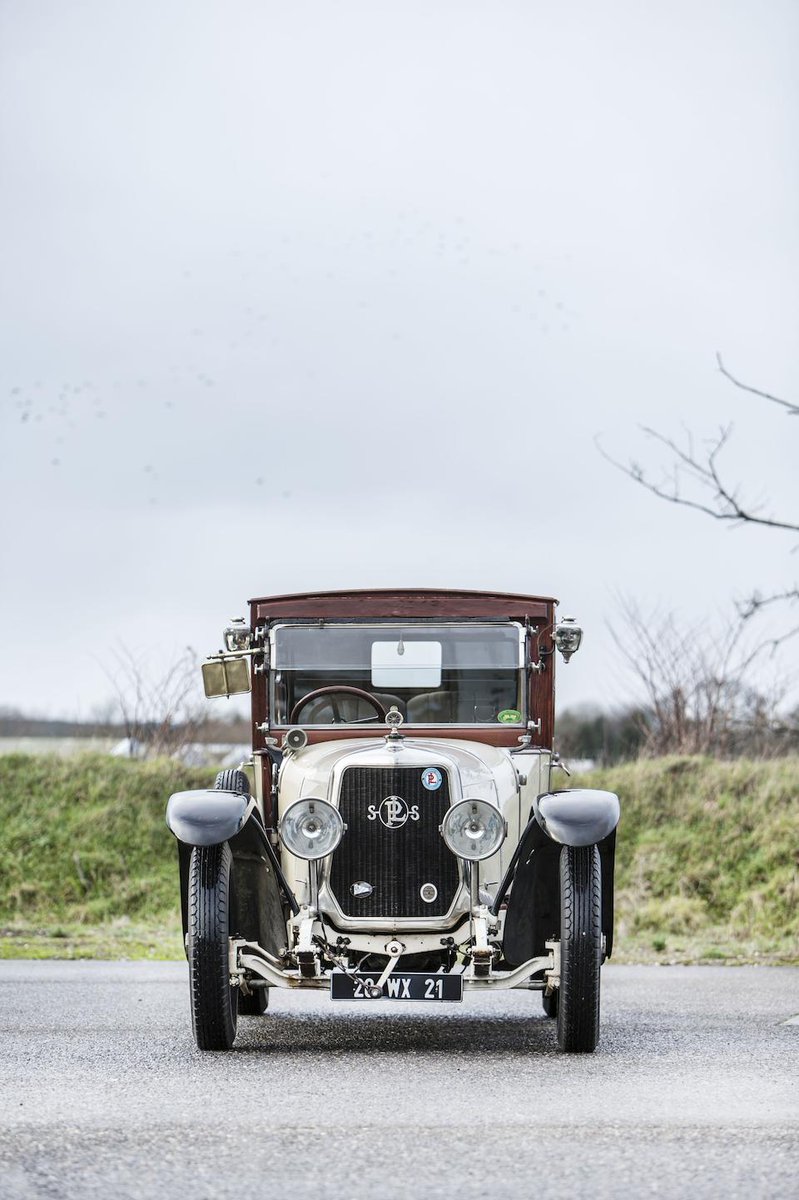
column 410, row 985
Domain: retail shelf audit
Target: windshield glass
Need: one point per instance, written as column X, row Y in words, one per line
column 434, row 674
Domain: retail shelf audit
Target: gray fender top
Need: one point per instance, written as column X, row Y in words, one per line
column 206, row 817
column 577, row 816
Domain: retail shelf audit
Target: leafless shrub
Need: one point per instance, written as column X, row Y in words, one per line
column 700, row 686
column 161, row 711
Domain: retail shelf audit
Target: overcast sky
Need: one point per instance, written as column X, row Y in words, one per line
column 337, row 294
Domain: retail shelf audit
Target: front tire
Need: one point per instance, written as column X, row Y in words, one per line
column 232, row 780
column 256, row 1003
column 213, row 1000
column 580, row 948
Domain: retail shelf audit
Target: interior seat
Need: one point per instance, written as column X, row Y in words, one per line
column 431, row 708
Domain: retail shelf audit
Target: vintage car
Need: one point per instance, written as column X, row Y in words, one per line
column 395, row 834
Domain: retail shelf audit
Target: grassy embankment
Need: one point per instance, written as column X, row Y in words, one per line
column 707, row 859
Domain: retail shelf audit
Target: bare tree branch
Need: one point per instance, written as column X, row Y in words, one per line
column 756, row 602
column 793, row 409
column 721, row 502
column 724, row 505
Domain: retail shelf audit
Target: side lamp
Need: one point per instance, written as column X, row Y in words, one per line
column 567, row 637
column 237, row 635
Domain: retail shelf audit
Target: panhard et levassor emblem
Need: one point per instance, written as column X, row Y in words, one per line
column 393, row 812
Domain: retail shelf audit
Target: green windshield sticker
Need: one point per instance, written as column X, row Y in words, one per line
column 509, row 716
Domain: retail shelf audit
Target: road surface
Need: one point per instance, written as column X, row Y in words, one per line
column 694, row 1091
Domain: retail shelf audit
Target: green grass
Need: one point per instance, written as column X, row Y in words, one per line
column 707, row 859
column 88, row 867
column 707, row 867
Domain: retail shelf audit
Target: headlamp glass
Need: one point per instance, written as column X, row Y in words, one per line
column 473, row 829
column 311, row 828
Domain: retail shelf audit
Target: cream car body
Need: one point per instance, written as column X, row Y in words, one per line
column 397, row 832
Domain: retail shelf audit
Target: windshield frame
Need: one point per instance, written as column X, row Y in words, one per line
column 405, row 627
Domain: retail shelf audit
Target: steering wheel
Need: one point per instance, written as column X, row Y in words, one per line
column 347, row 691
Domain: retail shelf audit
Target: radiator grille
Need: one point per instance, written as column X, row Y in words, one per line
column 396, row 862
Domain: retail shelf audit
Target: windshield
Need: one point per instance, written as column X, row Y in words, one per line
column 434, row 674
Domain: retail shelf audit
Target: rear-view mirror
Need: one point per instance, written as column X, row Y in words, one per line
column 226, row 677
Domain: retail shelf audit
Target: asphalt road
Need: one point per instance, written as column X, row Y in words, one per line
column 694, row 1091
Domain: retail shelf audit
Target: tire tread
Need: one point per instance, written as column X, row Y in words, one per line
column 212, row 1011
column 580, row 949
column 232, row 780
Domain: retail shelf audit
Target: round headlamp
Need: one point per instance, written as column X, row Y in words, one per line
column 473, row 829
column 311, row 828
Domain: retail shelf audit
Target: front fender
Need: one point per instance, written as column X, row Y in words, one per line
column 577, row 816
column 207, row 817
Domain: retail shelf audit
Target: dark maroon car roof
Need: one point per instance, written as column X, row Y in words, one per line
column 403, row 602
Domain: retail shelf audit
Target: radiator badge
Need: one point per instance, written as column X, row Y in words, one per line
column 431, row 778
column 361, row 888
column 393, row 812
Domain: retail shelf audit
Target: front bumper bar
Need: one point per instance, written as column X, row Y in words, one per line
column 248, row 957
